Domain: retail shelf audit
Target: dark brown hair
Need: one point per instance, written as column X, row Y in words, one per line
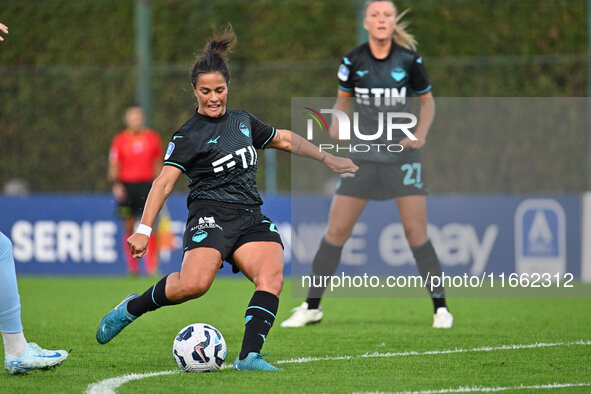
column 213, row 58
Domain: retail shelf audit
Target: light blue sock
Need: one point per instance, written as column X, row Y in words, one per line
column 10, row 306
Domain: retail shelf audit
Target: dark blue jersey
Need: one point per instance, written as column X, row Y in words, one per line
column 381, row 86
column 219, row 156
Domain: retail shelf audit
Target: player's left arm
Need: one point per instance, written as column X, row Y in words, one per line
column 289, row 141
column 424, row 123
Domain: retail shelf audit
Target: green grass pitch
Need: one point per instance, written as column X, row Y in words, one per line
column 63, row 313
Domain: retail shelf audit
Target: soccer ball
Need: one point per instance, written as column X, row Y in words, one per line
column 199, row 348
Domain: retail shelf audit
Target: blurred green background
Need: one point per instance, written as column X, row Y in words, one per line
column 68, row 73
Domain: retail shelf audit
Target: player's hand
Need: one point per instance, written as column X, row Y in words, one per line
column 119, row 191
column 340, row 164
column 138, row 244
column 3, row 29
column 408, row 143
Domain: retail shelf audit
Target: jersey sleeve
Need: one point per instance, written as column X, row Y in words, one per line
column 180, row 152
column 262, row 133
column 419, row 80
column 344, row 75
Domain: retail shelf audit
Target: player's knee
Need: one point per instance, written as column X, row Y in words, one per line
column 194, row 289
column 415, row 235
column 5, row 246
column 278, row 283
column 337, row 235
column 270, row 282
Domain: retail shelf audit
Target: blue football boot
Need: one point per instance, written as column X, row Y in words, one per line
column 115, row 321
column 253, row 362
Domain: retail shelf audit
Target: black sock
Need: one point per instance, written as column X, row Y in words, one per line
column 326, row 262
column 428, row 264
column 260, row 316
column 152, row 299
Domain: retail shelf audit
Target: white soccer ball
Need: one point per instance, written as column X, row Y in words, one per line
column 199, row 348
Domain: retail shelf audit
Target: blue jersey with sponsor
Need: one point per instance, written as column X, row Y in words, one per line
column 219, row 156
column 381, row 86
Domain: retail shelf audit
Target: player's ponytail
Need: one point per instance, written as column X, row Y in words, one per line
column 213, row 57
column 400, row 35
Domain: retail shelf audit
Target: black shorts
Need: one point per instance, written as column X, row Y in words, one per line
column 225, row 227
column 137, row 193
column 383, row 181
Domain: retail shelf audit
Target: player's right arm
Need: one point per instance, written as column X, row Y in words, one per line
column 158, row 154
column 344, row 93
column 162, row 186
column 343, row 104
column 117, row 187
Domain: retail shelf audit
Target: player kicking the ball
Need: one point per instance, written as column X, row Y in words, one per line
column 216, row 150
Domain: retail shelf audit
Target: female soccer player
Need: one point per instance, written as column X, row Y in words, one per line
column 216, row 150
column 380, row 74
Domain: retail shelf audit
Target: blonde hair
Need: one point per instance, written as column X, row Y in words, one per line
column 400, row 35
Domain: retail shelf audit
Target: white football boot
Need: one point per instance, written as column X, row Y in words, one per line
column 302, row 316
column 442, row 318
column 34, row 357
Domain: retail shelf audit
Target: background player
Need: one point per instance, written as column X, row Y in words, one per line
column 386, row 67
column 20, row 356
column 135, row 159
column 216, row 150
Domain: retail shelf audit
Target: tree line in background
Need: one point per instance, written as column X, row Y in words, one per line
column 68, row 74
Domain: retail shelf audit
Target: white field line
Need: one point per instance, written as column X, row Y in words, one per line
column 494, row 389
column 108, row 386
column 432, row 352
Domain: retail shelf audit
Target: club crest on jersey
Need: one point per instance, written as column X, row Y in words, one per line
column 169, row 150
column 398, row 73
column 244, row 130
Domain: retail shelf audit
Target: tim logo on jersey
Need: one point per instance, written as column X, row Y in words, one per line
column 392, row 122
column 243, row 157
column 377, row 96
